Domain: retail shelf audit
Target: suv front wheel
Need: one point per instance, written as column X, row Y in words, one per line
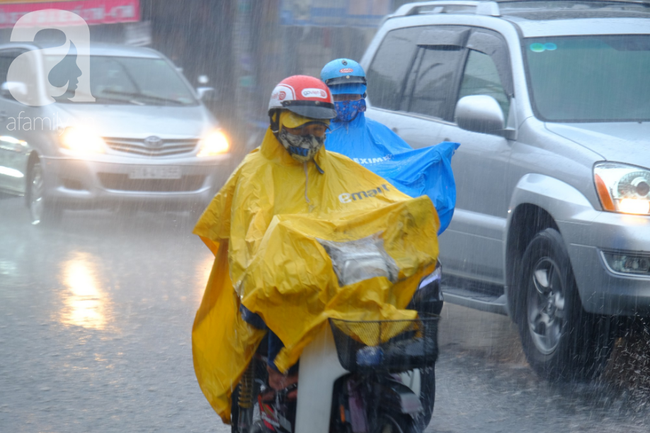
column 559, row 338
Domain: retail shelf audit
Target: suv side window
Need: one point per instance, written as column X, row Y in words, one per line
column 482, row 78
column 390, row 66
column 487, row 71
column 415, row 69
column 433, row 91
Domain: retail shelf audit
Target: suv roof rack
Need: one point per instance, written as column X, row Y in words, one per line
column 631, row 2
column 490, row 8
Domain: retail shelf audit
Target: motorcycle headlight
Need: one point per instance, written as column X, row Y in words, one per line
column 623, row 188
column 82, row 140
column 433, row 277
column 213, row 144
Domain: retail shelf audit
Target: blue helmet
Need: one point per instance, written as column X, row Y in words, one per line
column 344, row 77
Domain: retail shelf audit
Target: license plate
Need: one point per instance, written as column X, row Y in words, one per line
column 154, row 172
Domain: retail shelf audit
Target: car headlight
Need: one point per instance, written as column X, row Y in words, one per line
column 623, row 188
column 82, row 140
column 213, row 144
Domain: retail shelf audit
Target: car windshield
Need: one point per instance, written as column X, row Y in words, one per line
column 590, row 78
column 122, row 80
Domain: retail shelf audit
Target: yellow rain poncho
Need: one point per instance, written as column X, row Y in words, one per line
column 264, row 228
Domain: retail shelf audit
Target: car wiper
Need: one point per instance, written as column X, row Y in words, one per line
column 98, row 99
column 143, row 95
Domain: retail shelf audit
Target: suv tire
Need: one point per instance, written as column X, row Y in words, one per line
column 560, row 339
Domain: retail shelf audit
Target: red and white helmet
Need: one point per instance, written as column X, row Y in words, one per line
column 304, row 95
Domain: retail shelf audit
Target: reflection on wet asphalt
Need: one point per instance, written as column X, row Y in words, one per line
column 85, row 302
column 95, row 336
column 485, row 385
column 95, row 324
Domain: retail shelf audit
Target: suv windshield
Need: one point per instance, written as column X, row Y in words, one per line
column 122, row 80
column 590, row 78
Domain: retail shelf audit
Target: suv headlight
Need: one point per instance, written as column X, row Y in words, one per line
column 213, row 144
column 623, row 188
column 81, row 140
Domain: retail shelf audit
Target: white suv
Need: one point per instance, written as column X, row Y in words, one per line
column 551, row 104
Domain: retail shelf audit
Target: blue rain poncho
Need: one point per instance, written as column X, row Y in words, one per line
column 414, row 172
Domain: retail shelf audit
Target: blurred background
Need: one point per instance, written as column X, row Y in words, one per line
column 243, row 47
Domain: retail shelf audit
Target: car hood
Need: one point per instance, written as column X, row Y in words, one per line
column 138, row 121
column 622, row 141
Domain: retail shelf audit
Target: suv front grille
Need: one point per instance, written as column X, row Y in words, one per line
column 164, row 147
column 121, row 182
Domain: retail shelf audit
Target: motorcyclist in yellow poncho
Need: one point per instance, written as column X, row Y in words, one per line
column 265, row 227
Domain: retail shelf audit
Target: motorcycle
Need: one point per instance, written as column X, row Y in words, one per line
column 347, row 385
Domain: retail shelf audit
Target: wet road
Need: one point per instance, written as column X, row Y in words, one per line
column 95, row 321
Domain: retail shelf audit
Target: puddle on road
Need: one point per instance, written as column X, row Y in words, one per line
column 7, row 268
column 482, row 334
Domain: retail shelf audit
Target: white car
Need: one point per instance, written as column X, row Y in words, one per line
column 147, row 139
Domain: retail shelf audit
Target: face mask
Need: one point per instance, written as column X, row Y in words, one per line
column 346, row 111
column 302, row 148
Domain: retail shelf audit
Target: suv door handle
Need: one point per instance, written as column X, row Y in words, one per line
column 3, row 116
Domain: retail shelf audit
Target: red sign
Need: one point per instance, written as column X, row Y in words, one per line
column 92, row 11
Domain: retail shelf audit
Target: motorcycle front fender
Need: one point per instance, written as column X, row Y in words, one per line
column 395, row 397
column 319, row 369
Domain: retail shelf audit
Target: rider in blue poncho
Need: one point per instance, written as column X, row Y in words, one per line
column 415, row 172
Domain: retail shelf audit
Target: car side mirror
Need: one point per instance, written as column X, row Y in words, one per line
column 206, row 93
column 480, row 113
column 11, row 88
